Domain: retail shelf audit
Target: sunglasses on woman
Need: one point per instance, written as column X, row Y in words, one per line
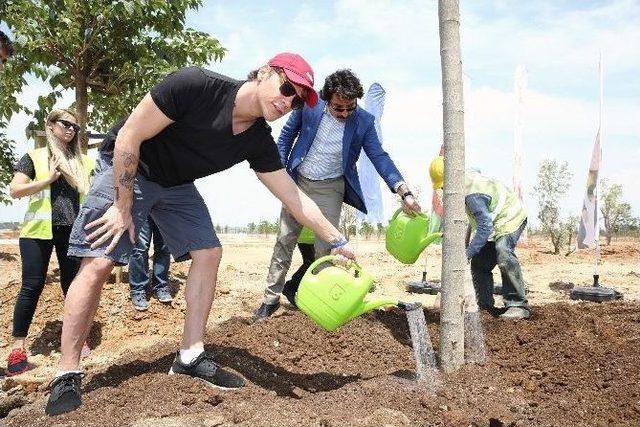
column 69, row 125
column 287, row 89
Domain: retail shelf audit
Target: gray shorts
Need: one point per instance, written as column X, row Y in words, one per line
column 180, row 213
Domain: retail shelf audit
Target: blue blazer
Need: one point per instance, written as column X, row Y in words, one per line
column 359, row 134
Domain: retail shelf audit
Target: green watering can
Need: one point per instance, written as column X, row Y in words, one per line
column 307, row 236
column 335, row 295
column 407, row 236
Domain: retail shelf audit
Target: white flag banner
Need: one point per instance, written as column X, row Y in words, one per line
column 520, row 90
column 588, row 232
column 369, row 178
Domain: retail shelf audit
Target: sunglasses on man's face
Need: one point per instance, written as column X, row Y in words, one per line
column 343, row 110
column 69, row 125
column 287, row 89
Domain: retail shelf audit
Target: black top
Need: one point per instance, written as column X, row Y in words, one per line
column 200, row 142
column 65, row 200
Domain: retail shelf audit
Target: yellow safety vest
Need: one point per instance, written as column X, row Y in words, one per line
column 37, row 221
column 506, row 210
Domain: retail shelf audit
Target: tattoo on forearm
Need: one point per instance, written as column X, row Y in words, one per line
column 126, row 179
column 128, row 159
column 128, row 175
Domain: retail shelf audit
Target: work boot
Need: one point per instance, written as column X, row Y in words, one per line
column 65, row 394
column 265, row 311
column 515, row 313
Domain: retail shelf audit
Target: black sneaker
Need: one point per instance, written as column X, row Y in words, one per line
column 265, row 311
column 65, row 394
column 207, row 370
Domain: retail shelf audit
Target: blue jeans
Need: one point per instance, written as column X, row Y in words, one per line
column 501, row 253
column 139, row 260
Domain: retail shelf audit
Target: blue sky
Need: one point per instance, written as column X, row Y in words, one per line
column 397, row 44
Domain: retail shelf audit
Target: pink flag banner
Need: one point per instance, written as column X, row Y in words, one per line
column 437, row 209
column 588, row 232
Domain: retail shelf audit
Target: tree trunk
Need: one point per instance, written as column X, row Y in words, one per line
column 82, row 105
column 453, row 253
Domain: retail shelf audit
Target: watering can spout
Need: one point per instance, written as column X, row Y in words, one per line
column 368, row 306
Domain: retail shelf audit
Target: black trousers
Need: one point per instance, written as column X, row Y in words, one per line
column 308, row 257
column 35, row 255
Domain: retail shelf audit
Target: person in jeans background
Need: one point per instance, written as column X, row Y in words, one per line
column 139, row 267
column 55, row 178
column 498, row 218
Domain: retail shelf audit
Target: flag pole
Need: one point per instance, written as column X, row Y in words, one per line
column 598, row 195
column 596, row 292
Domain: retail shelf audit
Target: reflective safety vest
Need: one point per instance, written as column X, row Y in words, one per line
column 37, row 221
column 506, row 210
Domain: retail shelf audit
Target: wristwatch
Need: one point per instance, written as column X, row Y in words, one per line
column 340, row 241
column 408, row 193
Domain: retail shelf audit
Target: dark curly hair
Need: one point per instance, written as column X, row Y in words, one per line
column 6, row 43
column 342, row 83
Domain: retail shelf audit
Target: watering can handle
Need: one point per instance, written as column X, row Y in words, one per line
column 397, row 212
column 331, row 259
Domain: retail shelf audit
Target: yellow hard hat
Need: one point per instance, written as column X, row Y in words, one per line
column 436, row 171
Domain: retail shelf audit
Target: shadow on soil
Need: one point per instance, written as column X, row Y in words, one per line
column 254, row 368
column 8, row 257
column 49, row 338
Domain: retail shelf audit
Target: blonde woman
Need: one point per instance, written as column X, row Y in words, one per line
column 55, row 178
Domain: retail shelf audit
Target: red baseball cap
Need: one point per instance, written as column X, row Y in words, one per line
column 298, row 71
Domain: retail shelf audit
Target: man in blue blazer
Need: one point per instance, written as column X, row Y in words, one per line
column 319, row 147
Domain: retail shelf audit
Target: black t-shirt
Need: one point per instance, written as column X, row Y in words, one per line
column 200, row 142
column 65, row 201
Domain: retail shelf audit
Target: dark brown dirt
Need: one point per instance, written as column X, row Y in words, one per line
column 570, row 365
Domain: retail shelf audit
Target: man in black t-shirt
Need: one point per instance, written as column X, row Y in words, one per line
column 192, row 124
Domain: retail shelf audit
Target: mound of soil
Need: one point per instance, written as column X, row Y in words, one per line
column 569, row 365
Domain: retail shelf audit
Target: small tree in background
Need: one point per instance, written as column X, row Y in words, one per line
column 615, row 213
column 367, row 230
column 110, row 52
column 348, row 218
column 572, row 226
column 7, row 159
column 251, row 227
column 553, row 182
column 380, row 230
column 264, row 227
